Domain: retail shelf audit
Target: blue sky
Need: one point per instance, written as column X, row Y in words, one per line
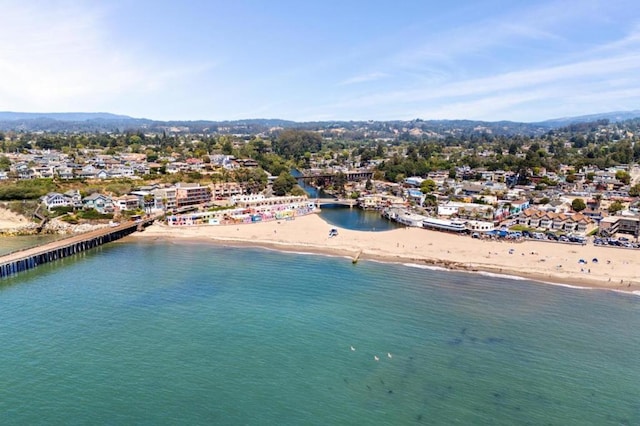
column 321, row 60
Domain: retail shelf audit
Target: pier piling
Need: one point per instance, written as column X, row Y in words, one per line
column 23, row 260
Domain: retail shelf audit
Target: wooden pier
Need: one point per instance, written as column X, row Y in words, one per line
column 23, row 260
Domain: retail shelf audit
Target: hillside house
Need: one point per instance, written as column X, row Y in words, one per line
column 75, row 197
column 101, row 203
column 65, row 173
column 56, row 199
column 127, row 202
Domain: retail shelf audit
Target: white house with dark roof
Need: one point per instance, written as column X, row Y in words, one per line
column 56, row 199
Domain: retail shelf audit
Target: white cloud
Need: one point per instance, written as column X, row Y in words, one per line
column 363, row 78
column 481, row 37
column 588, row 79
column 60, row 56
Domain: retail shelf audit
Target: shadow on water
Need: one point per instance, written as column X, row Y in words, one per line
column 312, row 191
column 356, row 219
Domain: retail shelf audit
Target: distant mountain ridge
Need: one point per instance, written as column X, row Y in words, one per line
column 613, row 117
column 61, row 116
column 107, row 122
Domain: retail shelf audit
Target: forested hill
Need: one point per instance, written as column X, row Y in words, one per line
column 105, row 122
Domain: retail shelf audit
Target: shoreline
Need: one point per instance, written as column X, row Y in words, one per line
column 551, row 264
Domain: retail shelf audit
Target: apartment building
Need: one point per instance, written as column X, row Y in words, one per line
column 189, row 194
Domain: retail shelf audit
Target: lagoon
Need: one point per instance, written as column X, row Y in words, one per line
column 356, row 219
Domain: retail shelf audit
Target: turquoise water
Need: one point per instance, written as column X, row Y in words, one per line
column 158, row 333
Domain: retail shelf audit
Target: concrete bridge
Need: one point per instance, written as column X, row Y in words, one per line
column 319, row 202
column 23, row 260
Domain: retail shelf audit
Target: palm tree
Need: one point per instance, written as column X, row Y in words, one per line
column 148, row 203
column 598, row 199
column 164, row 205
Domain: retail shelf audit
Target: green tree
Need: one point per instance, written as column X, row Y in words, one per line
column 292, row 143
column 254, row 180
column 5, row 163
column 615, row 207
column 227, row 147
column 283, row 184
column 427, row 186
column 368, row 185
column 623, row 177
column 338, row 182
column 634, row 191
column 578, row 204
column 298, row 191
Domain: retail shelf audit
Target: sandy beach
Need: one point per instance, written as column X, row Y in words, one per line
column 10, row 220
column 605, row 267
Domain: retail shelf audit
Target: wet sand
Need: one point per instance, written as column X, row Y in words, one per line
column 558, row 263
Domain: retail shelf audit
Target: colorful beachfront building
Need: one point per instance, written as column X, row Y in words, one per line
column 259, row 200
column 249, row 210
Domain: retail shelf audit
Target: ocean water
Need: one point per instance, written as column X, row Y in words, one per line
column 165, row 334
